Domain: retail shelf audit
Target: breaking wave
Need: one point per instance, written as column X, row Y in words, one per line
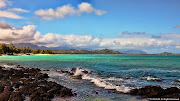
column 106, row 83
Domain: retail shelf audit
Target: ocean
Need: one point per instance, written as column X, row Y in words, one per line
column 109, row 77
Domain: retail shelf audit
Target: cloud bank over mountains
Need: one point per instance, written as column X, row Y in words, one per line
column 29, row 34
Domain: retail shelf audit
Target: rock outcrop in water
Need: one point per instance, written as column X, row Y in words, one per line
column 157, row 92
column 20, row 83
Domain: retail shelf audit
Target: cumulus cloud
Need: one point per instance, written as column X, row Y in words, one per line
column 67, row 10
column 72, row 40
column 3, row 3
column 29, row 34
column 10, row 13
column 4, row 25
column 134, row 43
column 14, row 34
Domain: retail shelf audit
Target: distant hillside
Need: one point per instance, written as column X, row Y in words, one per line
column 133, row 52
column 74, row 51
column 32, row 46
column 69, row 50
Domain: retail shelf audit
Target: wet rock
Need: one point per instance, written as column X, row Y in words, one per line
column 24, row 80
column 172, row 92
column 65, row 92
column 156, row 92
column 46, row 70
column 1, row 76
column 77, row 77
column 9, row 88
column 4, row 82
column 178, row 80
column 16, row 96
column 4, row 96
column 85, row 72
column 24, row 90
column 15, row 84
column 66, row 72
column 1, row 88
column 94, row 92
column 45, row 76
column 38, row 95
column 73, row 69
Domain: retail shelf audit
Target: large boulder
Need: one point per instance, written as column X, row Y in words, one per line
column 157, row 92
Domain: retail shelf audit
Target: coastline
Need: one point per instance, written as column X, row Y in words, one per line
column 25, row 78
column 78, row 54
column 27, row 55
column 20, row 83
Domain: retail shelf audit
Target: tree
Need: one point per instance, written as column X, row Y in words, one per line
column 17, row 50
column 37, row 51
column 11, row 48
column 3, row 48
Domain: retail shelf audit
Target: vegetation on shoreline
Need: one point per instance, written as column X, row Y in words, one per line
column 11, row 49
column 74, row 51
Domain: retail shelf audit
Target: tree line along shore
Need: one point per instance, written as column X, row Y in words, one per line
column 12, row 50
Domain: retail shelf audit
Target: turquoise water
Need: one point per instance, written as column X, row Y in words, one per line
column 161, row 66
column 133, row 69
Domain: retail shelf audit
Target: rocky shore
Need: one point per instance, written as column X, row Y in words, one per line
column 146, row 92
column 19, row 84
column 156, row 92
column 30, row 84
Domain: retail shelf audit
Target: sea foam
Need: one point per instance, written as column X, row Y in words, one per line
column 102, row 82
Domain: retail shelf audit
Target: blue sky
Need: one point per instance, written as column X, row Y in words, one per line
column 151, row 17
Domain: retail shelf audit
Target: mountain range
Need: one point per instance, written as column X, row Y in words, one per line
column 32, row 46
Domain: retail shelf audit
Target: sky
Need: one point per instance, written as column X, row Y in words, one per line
column 149, row 25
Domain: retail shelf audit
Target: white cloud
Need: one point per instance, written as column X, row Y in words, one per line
column 2, row 3
column 8, row 14
column 18, row 10
column 134, row 43
column 72, row 40
column 29, row 34
column 178, row 47
column 4, row 25
column 100, row 12
column 13, row 34
column 85, row 7
column 171, row 36
column 67, row 10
